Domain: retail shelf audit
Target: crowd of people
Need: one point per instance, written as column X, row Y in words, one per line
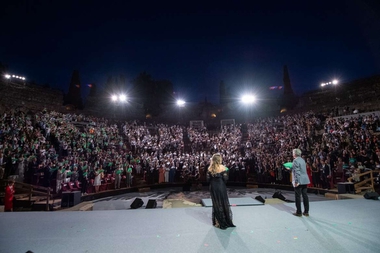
column 332, row 146
column 68, row 151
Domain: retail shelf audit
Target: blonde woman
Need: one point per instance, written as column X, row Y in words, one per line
column 221, row 211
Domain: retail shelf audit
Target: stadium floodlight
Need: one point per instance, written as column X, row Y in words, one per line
column 7, row 76
column 334, row 82
column 181, row 102
column 248, row 99
column 114, row 98
column 122, row 98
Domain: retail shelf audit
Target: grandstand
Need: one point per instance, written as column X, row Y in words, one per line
column 29, row 97
column 53, row 154
column 362, row 94
column 204, row 131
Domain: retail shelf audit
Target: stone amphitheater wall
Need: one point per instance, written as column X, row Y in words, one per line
column 28, row 97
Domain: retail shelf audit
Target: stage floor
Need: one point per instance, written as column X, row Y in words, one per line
column 235, row 202
column 191, row 198
column 333, row 226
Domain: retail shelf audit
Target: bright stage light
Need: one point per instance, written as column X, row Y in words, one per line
column 7, row 76
column 334, row 82
column 122, row 98
column 114, row 98
column 248, row 99
column 181, row 102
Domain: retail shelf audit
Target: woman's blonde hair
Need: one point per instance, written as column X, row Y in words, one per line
column 216, row 161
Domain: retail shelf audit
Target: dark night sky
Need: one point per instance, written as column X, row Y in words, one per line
column 194, row 45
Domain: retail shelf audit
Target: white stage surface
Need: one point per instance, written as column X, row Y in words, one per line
column 235, row 202
column 333, row 226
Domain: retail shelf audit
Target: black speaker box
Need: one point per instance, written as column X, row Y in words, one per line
column 70, row 199
column 137, row 203
column 152, row 203
column 259, row 198
column 371, row 195
column 42, row 207
column 278, row 195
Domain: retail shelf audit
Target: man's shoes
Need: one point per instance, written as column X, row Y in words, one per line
column 306, row 214
column 297, row 214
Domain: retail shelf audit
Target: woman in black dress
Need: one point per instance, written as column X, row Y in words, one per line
column 221, row 211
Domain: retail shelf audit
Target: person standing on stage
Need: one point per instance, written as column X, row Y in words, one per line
column 300, row 180
column 221, row 211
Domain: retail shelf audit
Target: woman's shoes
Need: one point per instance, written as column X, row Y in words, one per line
column 217, row 225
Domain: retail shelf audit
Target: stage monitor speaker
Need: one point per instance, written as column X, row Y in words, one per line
column 70, row 199
column 278, row 195
column 259, row 198
column 152, row 203
column 137, row 203
column 371, row 195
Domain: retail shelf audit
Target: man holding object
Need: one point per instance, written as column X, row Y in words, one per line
column 300, row 180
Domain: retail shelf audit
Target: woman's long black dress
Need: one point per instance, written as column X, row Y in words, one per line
column 221, row 211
